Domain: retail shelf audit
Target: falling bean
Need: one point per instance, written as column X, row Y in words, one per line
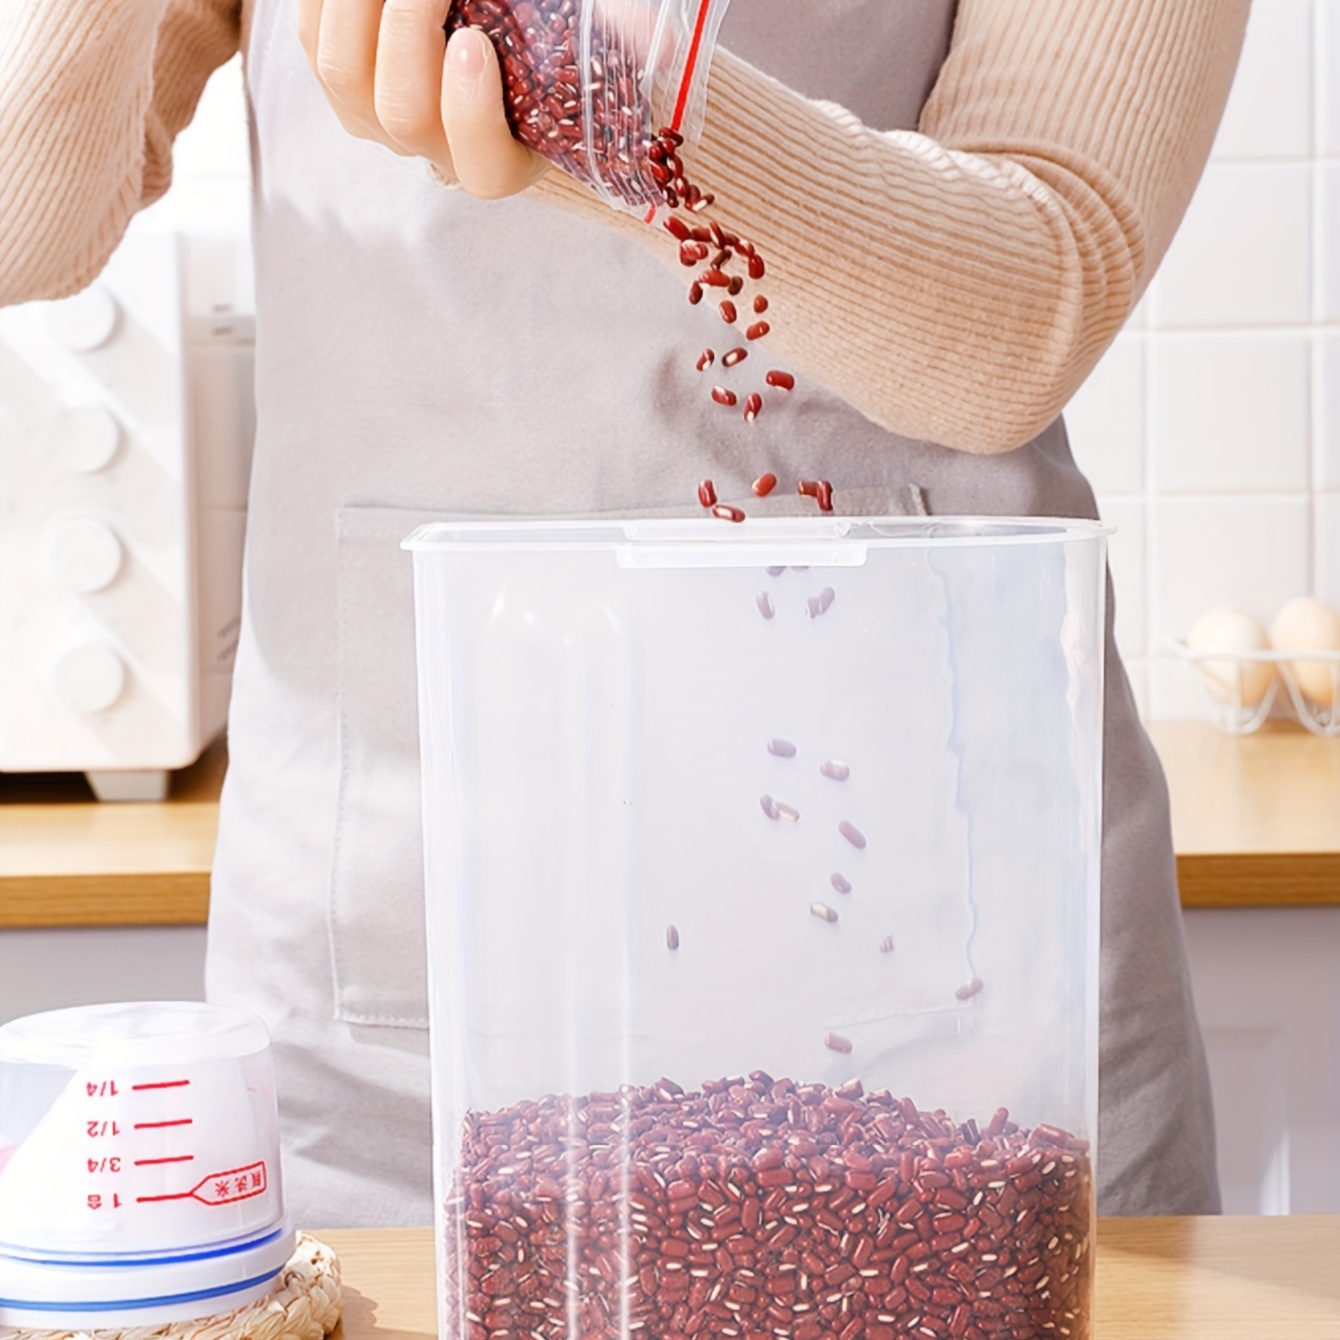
column 886, row 945
column 723, row 395
column 760, row 304
column 728, row 312
column 969, row 989
column 851, row 833
column 784, row 381
column 823, row 912
column 725, row 512
column 782, row 748
column 706, row 359
column 757, row 331
column 671, row 938
column 765, row 606
column 840, row 883
column 733, row 356
column 787, row 812
column 764, row 485
column 707, row 493
column 837, row 1043
column 752, row 406
column 835, row 769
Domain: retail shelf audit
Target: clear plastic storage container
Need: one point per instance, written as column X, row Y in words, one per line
column 139, row 1166
column 762, row 877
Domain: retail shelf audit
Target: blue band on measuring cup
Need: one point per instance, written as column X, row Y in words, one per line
column 127, row 1304
column 73, row 1262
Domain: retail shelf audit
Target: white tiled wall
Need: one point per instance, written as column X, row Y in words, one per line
column 1211, row 430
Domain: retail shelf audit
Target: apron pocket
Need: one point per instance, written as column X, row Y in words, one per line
column 378, row 945
column 378, row 948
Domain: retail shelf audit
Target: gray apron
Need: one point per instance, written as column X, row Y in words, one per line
column 422, row 354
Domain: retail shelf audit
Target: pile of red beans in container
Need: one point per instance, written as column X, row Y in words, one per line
column 749, row 1206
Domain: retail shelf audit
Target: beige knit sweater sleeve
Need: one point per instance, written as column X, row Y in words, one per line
column 92, row 94
column 955, row 284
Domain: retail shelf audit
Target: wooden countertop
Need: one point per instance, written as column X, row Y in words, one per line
column 1256, row 822
column 66, row 860
column 1256, row 818
column 1158, row 1279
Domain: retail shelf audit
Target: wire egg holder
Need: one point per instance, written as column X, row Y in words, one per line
column 1221, row 678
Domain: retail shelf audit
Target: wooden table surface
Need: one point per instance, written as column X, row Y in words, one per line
column 1256, row 818
column 1268, row 1278
column 66, row 860
column 1256, row 822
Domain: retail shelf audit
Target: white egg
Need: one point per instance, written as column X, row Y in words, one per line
column 1229, row 630
column 1305, row 624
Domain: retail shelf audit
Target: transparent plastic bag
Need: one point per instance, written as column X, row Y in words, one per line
column 591, row 84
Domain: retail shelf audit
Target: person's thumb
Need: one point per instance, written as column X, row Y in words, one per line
column 488, row 160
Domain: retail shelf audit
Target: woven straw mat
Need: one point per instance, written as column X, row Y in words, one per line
column 304, row 1306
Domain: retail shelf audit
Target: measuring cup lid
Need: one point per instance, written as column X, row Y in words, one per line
column 132, row 1033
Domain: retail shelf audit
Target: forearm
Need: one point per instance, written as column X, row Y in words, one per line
column 959, row 283
column 91, row 98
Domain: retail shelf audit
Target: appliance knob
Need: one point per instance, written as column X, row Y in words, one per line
column 85, row 554
column 83, row 322
column 89, row 678
column 88, row 439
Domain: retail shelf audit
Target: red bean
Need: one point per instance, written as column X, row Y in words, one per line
column 728, row 312
column 752, row 406
column 768, row 804
column 837, row 1043
column 733, row 356
column 835, row 769
column 757, row 331
column 969, row 989
column 706, row 359
column 784, row 381
column 707, row 493
column 690, row 253
column 695, row 294
column 824, row 496
column 808, row 488
column 851, row 833
column 765, row 606
column 675, row 227
column 787, row 812
column 756, row 267
column 723, row 396
column 727, row 513
column 823, row 912
column 671, row 938
column 782, row 748
column 764, row 485
column 840, row 883
column 760, row 304
column 714, row 278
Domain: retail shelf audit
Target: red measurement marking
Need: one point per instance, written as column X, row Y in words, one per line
column 104, row 1089
column 159, row 1125
column 166, row 1084
column 151, row 1163
column 221, row 1188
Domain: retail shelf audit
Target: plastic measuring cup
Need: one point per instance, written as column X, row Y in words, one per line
column 139, row 1165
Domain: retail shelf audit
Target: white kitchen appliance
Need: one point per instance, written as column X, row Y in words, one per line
column 126, row 425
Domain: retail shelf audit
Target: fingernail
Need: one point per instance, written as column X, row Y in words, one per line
column 467, row 53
